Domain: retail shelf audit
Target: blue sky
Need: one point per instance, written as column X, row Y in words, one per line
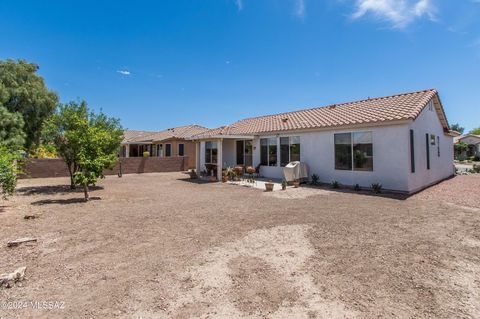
column 159, row 64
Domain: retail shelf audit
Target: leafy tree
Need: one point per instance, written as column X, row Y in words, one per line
column 94, row 155
column 12, row 136
column 88, row 142
column 8, row 171
column 458, row 128
column 24, row 92
column 60, row 130
column 475, row 131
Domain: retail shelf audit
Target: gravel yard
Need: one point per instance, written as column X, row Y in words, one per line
column 162, row 246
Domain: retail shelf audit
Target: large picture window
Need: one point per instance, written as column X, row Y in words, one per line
column 354, row 151
column 211, row 152
column 268, row 151
column 289, row 149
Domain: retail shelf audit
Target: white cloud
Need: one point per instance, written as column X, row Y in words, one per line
column 124, row 72
column 398, row 12
column 239, row 4
column 300, row 8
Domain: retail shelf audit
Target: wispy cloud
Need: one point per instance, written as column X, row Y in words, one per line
column 300, row 8
column 400, row 13
column 239, row 4
column 124, row 72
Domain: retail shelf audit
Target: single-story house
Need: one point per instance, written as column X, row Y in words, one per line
column 473, row 142
column 175, row 141
column 403, row 142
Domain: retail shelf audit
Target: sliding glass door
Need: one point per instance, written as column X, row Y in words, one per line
column 244, row 152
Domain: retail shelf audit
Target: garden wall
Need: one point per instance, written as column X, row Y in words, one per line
column 39, row 168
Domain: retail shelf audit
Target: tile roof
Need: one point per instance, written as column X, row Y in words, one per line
column 370, row 111
column 181, row 132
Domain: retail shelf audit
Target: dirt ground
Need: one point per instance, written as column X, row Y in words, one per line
column 161, row 246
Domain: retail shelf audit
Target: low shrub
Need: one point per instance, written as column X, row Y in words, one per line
column 146, row 154
column 475, row 169
column 377, row 188
column 315, row 180
column 356, row 187
column 335, row 184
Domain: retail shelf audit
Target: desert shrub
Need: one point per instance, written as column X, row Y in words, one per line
column 315, row 180
column 377, row 188
column 475, row 169
column 335, row 184
column 476, row 158
column 146, row 154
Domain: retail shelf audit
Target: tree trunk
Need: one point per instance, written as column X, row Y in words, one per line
column 85, row 191
column 72, row 184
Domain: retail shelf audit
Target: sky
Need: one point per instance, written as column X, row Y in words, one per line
column 161, row 64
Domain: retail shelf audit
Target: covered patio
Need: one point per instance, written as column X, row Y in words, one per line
column 217, row 153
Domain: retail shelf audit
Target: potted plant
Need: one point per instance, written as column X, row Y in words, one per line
column 284, row 184
column 296, row 183
column 224, row 177
column 269, row 186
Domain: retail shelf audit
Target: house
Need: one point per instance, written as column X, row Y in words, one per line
column 402, row 141
column 175, row 141
column 473, row 144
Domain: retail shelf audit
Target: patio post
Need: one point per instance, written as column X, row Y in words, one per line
column 197, row 157
column 219, row 159
column 127, row 150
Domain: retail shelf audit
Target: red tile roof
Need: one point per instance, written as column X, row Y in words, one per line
column 181, row 132
column 370, row 111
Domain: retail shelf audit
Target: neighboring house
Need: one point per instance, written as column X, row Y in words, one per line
column 403, row 142
column 473, row 142
column 171, row 142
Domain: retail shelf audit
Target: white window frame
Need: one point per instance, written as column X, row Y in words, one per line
column 289, row 147
column 352, row 153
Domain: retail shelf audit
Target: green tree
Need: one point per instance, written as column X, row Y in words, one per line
column 8, row 171
column 475, row 131
column 458, row 128
column 88, row 142
column 12, row 136
column 24, row 92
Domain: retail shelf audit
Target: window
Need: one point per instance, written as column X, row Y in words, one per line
column 432, row 139
column 412, row 152
column 181, row 149
column 362, row 151
column 211, row 152
column 168, row 150
column 289, row 149
column 354, row 151
column 268, row 151
column 427, row 150
column 438, row 146
column 343, row 151
column 244, row 153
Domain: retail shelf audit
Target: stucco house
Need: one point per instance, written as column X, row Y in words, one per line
column 473, row 142
column 402, row 141
column 172, row 142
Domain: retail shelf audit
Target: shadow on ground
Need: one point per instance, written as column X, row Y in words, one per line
column 364, row 192
column 63, row 201
column 194, row 181
column 53, row 189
